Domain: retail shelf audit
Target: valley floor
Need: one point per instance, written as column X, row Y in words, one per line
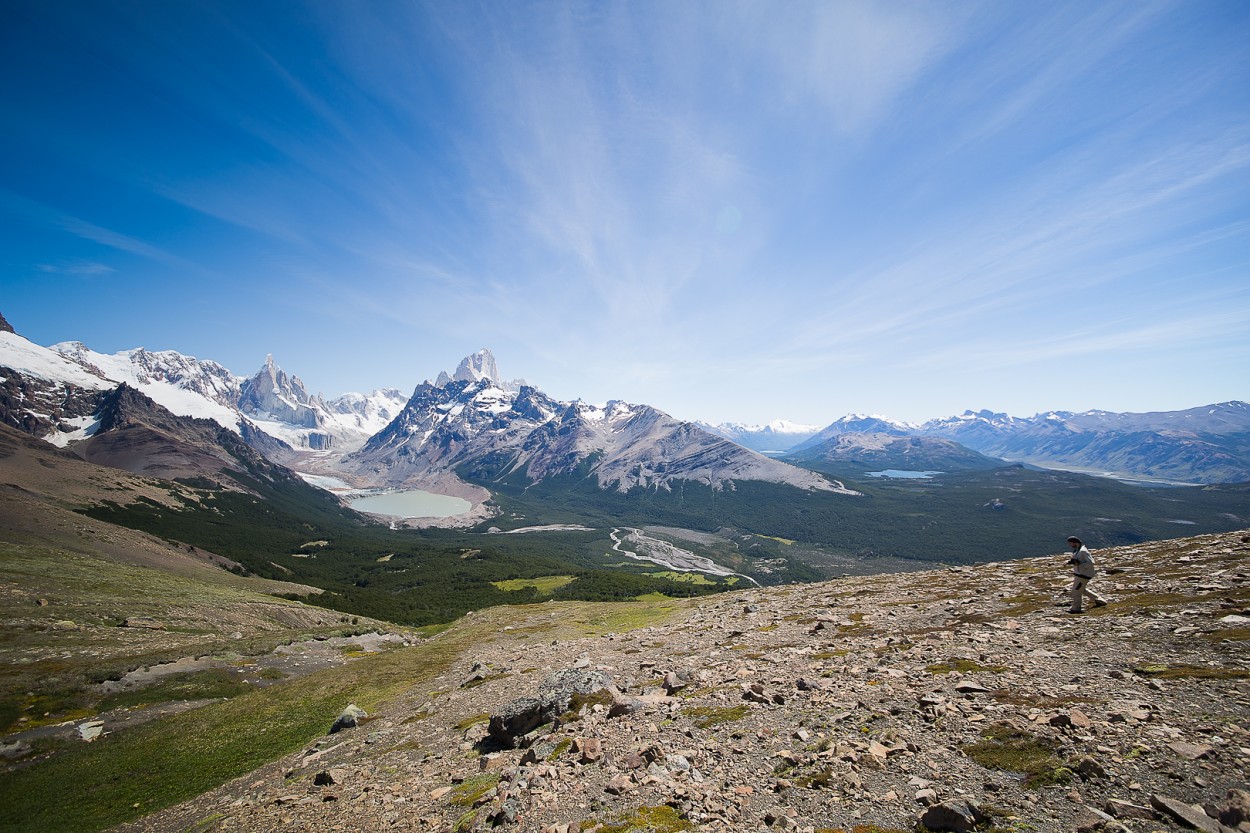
column 858, row 704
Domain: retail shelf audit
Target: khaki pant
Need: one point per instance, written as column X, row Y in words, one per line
column 1080, row 585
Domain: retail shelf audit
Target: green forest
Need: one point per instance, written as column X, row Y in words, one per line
column 286, row 529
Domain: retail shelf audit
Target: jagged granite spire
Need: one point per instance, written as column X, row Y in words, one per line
column 271, row 392
column 479, row 365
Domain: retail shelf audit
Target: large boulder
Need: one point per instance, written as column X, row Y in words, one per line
column 525, row 714
column 954, row 816
column 519, row 717
column 349, row 718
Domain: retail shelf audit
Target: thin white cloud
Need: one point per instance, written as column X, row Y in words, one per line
column 34, row 210
column 1097, row 340
column 78, row 269
column 855, row 59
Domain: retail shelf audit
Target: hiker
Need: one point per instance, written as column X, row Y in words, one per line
column 1082, row 571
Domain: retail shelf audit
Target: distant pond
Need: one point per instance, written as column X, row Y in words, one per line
column 902, row 474
column 411, row 504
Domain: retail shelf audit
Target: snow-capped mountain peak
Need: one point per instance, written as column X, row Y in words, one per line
column 875, row 422
column 184, row 385
column 282, row 407
column 475, row 368
column 775, row 436
column 24, row 356
column 493, row 433
column 273, row 395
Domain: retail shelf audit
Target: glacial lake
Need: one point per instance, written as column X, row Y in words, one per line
column 411, row 504
column 902, row 474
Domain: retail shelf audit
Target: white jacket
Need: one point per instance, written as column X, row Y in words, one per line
column 1083, row 563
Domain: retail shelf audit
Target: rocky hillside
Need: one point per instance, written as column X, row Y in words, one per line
column 137, row 435
column 942, row 700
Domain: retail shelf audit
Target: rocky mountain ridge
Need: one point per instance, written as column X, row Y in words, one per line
column 271, row 400
column 135, row 434
column 1209, row 444
column 495, row 434
column 881, row 450
column 477, row 367
column 274, row 412
column 953, row 700
column 1203, row 445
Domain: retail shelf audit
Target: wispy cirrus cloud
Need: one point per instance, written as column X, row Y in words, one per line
column 78, row 269
column 692, row 199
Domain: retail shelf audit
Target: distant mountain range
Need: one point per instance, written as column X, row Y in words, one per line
column 471, row 421
column 774, row 438
column 271, row 400
column 474, row 426
column 869, row 451
column 1210, row 444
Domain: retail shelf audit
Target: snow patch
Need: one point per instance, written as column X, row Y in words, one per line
column 84, row 427
column 31, row 359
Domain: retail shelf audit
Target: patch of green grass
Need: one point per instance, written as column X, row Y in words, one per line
column 707, row 716
column 206, row 824
column 816, row 780
column 46, row 709
column 1144, row 602
column 580, row 701
column 471, row 721
column 544, row 585
column 1007, row 748
column 471, row 789
column 211, row 684
column 1231, row 634
column 658, row 819
column 465, row 822
column 1026, row 603
column 645, row 611
column 561, row 747
column 132, row 773
column 964, row 666
column 841, row 652
column 690, row 578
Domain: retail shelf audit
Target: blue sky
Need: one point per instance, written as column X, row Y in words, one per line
column 730, row 211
